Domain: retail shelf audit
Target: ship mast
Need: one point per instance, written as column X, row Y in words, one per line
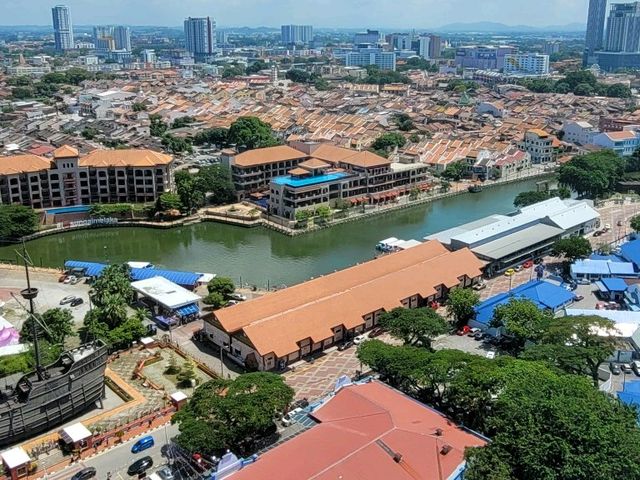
column 30, row 294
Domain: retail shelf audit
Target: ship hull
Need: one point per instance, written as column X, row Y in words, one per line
column 54, row 401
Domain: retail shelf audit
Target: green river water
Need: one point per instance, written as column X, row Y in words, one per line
column 260, row 256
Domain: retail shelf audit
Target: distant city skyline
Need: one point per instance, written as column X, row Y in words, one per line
column 417, row 14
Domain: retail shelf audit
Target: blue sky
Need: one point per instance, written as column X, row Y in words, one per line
column 324, row 13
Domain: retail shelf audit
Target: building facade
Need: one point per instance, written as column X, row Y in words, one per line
column 539, row 144
column 526, row 64
column 580, row 133
column 200, row 35
column 483, row 57
column 595, row 25
column 278, row 329
column 122, row 38
column 424, row 46
column 364, row 57
column 359, row 179
column 102, row 176
column 296, row 34
column 623, row 28
column 624, row 143
column 435, row 46
column 370, row 36
column 62, row 28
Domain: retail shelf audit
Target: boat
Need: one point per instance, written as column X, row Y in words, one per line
column 475, row 188
column 51, row 395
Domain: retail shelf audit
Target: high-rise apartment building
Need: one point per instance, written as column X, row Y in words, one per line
column 551, row 46
column 363, row 57
column 149, row 56
column 296, row 34
column 483, row 57
column 122, row 38
column 435, row 46
column 103, row 39
column 595, row 24
column 526, row 64
column 623, row 28
column 62, row 27
column 370, row 36
column 200, row 33
column 424, row 46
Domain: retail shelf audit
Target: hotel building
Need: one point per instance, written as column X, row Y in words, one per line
column 102, row 176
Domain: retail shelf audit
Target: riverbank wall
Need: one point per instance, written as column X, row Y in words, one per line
column 204, row 215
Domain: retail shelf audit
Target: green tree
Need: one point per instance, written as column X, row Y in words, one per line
column 404, row 122
column 17, row 221
column 573, row 344
column 216, row 180
column 191, row 191
column 573, row 79
column 130, row 330
column 562, row 87
column 388, row 141
column 524, row 199
column 173, row 368
column 298, row 76
column 572, row 248
column 187, row 374
column 139, row 107
column 157, row 127
column 415, row 326
column 592, row 175
column 250, row 133
column 522, row 320
column 22, row 93
column 618, row 90
column 212, row 136
column 461, row 303
column 215, row 300
column 256, row 66
column 583, row 90
column 168, row 201
column 182, row 121
column 455, row 171
column 635, row 223
column 222, row 285
column 233, row 70
column 54, row 325
column 234, row 414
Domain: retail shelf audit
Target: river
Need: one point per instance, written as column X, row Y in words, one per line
column 260, row 256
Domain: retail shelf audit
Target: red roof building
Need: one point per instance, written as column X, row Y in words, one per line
column 369, row 432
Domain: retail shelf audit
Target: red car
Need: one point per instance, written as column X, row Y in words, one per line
column 463, row 331
column 527, row 264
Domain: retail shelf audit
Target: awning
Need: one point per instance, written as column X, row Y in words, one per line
column 75, row 433
column 15, row 457
column 187, row 310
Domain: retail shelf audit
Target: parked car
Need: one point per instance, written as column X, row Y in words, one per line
column 626, row 368
column 359, row 339
column 69, row 279
column 607, row 227
column 518, row 268
column 344, row 345
column 478, row 336
column 140, row 466
column 583, row 281
column 528, row 264
column 479, row 286
column 84, row 474
column 473, row 331
column 288, row 417
column 538, row 261
column 635, row 366
column 230, row 303
column 302, row 403
column 577, row 298
column 67, row 299
column 463, row 331
column 165, row 473
column 238, row 296
column 62, row 278
column 75, row 280
column 76, row 301
column 614, row 368
column 143, row 444
column 597, row 233
column 509, row 272
column 376, row 332
column 619, row 223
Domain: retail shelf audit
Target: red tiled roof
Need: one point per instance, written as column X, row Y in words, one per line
column 358, row 428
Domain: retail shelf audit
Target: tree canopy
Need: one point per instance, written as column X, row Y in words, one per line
column 386, row 142
column 414, row 326
column 232, row 414
column 17, row 221
column 455, row 171
column 522, row 321
column 592, row 175
column 53, row 325
column 572, row 248
column 222, row 285
column 461, row 303
column 250, row 133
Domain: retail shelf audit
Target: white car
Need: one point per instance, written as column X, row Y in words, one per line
column 69, row 279
column 238, row 296
column 359, row 339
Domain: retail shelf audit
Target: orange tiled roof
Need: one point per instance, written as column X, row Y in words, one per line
column 65, row 151
column 366, row 159
column 276, row 322
column 125, row 158
column 261, row 156
column 622, row 135
column 17, row 164
column 314, row 163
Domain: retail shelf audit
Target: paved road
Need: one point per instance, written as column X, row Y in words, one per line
column 117, row 459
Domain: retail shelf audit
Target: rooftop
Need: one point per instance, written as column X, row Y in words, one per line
column 125, row 158
column 164, row 292
column 360, row 430
column 262, row 156
column 65, row 151
column 18, row 164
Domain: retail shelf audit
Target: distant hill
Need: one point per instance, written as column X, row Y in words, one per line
column 493, row 27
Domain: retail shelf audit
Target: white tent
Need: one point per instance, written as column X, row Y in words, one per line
column 15, row 457
column 75, row 433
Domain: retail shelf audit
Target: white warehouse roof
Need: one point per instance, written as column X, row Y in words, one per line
column 165, row 293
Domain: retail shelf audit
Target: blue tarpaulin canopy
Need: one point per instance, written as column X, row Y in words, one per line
column 91, row 269
column 187, row 310
column 631, row 393
column 631, row 251
column 614, row 284
column 542, row 294
column 185, row 279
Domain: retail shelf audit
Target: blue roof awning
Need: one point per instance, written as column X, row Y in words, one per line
column 188, row 279
column 614, row 284
column 91, row 269
column 187, row 310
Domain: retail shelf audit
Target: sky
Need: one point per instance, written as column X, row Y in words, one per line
column 320, row 13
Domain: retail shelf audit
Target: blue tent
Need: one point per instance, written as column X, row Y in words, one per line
column 184, row 279
column 631, row 393
column 187, row 310
column 542, row 294
column 91, row 269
